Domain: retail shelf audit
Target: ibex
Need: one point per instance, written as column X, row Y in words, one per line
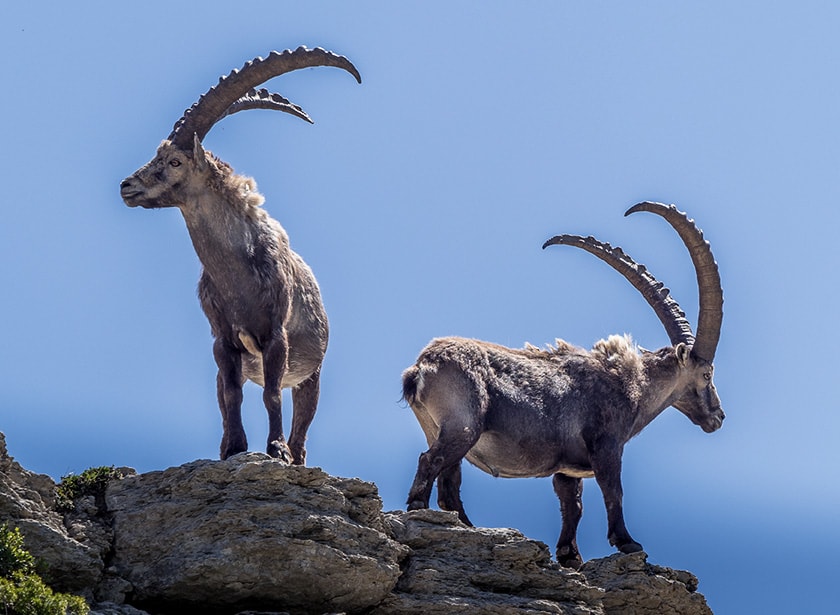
column 564, row 411
column 262, row 300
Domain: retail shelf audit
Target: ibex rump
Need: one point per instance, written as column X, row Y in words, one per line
column 564, row 411
column 262, row 300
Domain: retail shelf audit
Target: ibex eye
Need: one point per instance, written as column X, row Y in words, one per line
column 174, row 163
column 707, row 376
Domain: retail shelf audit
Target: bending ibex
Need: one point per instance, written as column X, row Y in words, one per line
column 565, row 411
column 261, row 299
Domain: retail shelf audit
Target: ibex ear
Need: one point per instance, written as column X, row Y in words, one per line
column 683, row 352
column 199, row 159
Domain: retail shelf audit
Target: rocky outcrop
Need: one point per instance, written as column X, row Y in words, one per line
column 27, row 501
column 631, row 585
column 452, row 568
column 250, row 534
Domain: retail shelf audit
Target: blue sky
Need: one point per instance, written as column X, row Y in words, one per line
column 421, row 199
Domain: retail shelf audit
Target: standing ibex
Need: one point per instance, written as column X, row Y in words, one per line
column 565, row 411
column 261, row 299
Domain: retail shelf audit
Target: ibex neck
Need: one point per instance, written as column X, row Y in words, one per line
column 661, row 381
column 228, row 237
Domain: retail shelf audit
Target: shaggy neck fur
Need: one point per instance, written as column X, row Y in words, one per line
column 230, row 231
column 239, row 191
column 650, row 378
column 662, row 374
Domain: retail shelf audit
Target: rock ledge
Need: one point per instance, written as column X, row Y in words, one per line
column 253, row 535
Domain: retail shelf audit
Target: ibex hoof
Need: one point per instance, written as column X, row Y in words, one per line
column 229, row 450
column 279, row 450
column 630, row 547
column 298, row 452
column 569, row 558
column 416, row 505
column 572, row 562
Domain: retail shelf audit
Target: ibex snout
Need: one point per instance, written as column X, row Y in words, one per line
column 703, row 410
column 129, row 189
column 714, row 420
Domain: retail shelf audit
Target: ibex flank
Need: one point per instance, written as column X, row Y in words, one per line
column 262, row 300
column 564, row 411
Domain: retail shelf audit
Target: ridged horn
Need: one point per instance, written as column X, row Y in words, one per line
column 658, row 297
column 235, row 92
column 263, row 99
column 709, row 287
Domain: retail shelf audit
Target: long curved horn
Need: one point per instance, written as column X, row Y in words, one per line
column 658, row 297
column 216, row 103
column 263, row 99
column 710, row 291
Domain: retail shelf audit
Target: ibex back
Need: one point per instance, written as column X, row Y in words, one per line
column 262, row 300
column 564, row 411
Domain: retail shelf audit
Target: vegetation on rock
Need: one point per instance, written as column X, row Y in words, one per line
column 90, row 482
column 22, row 592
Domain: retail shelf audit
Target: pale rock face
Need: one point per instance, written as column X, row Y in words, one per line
column 253, row 535
column 251, row 532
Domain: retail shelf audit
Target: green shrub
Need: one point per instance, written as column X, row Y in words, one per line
column 13, row 557
column 90, row 482
column 27, row 595
column 22, row 592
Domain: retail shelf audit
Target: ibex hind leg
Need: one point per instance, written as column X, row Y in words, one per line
column 449, row 491
column 447, row 406
column 454, row 441
column 569, row 491
column 305, row 403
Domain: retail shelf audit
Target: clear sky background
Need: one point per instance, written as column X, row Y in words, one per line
column 421, row 199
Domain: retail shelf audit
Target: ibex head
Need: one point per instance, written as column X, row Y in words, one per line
column 698, row 398
column 168, row 178
column 181, row 163
column 695, row 394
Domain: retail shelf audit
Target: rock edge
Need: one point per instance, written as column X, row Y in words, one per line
column 253, row 535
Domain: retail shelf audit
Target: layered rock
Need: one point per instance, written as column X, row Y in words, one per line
column 633, row 586
column 453, row 568
column 251, row 534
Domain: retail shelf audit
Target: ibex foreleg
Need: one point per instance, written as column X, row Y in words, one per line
column 275, row 354
column 229, row 391
column 606, row 463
